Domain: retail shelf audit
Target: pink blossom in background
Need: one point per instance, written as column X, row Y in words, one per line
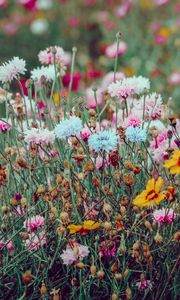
column 74, row 22
column 3, row 3
column 160, row 40
column 69, row 257
column 109, row 78
column 110, row 51
column 108, row 251
column 46, row 56
column 39, row 136
column 91, row 99
column 1, row 244
column 4, row 127
column 174, row 78
column 35, row 241
column 123, row 9
column 103, row 16
column 76, row 80
column 10, row 246
column 164, row 215
column 34, row 223
column 89, row 2
column 90, row 212
column 9, row 28
column 85, row 134
column 28, row 4
column 144, row 285
column 161, row 2
column 53, row 153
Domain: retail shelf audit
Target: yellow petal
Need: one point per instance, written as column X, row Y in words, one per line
column 176, row 155
column 159, row 198
column 158, row 184
column 169, row 163
column 74, row 228
column 140, row 199
column 90, row 224
column 175, row 170
column 150, row 185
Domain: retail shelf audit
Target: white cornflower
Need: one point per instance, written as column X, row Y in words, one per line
column 47, row 72
column 12, row 69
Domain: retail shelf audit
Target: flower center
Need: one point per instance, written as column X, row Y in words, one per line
column 151, row 195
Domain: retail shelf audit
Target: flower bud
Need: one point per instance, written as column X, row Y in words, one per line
column 100, row 274
column 93, row 270
column 118, row 276
column 5, row 210
column 43, row 289
column 128, row 293
column 177, row 236
column 26, row 277
column 148, row 225
column 80, row 265
column 158, row 238
column 107, row 225
column 114, row 296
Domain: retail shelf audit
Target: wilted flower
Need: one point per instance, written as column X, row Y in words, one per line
column 68, row 127
column 104, row 140
column 164, row 215
column 136, row 134
column 12, row 69
column 34, row 223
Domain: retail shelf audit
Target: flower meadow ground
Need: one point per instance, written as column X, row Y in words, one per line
column 88, row 185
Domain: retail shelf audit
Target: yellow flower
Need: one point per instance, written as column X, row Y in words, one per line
column 84, row 228
column 174, row 163
column 151, row 195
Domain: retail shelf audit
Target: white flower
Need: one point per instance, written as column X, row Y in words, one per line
column 11, row 69
column 39, row 26
column 39, row 136
column 48, row 72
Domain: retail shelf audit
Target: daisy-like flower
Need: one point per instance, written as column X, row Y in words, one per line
column 4, row 127
column 135, row 134
column 104, row 140
column 133, row 121
column 84, row 228
column 164, row 215
column 128, row 87
column 173, row 164
column 68, row 127
column 35, row 241
column 34, row 223
column 12, row 69
column 151, row 195
column 46, row 56
column 39, row 136
column 48, row 72
column 72, row 254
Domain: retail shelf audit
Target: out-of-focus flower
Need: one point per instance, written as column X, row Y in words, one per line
column 153, row 105
column 39, row 26
column 91, row 97
column 108, row 249
column 164, row 215
column 3, row 3
column 75, row 83
column 12, row 69
column 161, row 2
column 109, row 78
column 28, row 4
column 34, row 223
column 144, row 284
column 39, row 136
column 4, row 126
column 112, row 49
column 74, row 22
column 43, row 4
column 123, row 9
column 173, row 163
column 46, row 56
column 135, row 134
column 104, row 140
column 2, row 243
column 174, row 78
column 69, row 256
column 35, row 241
column 128, row 87
column 151, row 195
column 83, row 229
column 68, row 127
column 10, row 246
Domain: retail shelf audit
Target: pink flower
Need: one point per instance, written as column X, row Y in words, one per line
column 46, row 56
column 19, row 211
column 174, row 78
column 73, row 21
column 39, row 136
column 1, row 244
column 124, row 8
column 69, row 256
column 91, row 99
column 3, row 3
column 36, row 241
column 28, row 4
column 160, row 40
column 108, row 250
column 90, row 212
column 53, row 153
column 161, row 2
column 111, row 50
column 75, row 83
column 85, row 134
column 109, row 78
column 10, row 246
column 4, row 127
column 144, row 285
column 34, row 223
column 164, row 215
column 133, row 121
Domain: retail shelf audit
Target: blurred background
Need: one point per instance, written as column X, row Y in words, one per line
column 149, row 28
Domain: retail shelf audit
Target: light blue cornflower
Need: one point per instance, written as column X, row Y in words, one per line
column 104, row 140
column 68, row 127
column 136, row 134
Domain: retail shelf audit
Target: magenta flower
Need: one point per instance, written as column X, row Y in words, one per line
column 111, row 49
column 34, row 223
column 164, row 215
column 144, row 285
column 10, row 246
column 4, row 127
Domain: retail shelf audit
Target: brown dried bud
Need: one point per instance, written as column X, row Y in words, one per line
column 107, row 209
column 61, row 230
column 41, row 189
column 128, row 293
column 5, row 210
column 80, row 265
column 148, row 225
column 95, row 181
column 127, row 179
column 107, row 225
column 114, row 296
column 128, row 165
column 59, row 179
column 176, row 236
column 100, row 274
column 89, row 166
column 93, row 270
column 43, row 289
column 24, row 235
column 64, row 217
column 27, row 277
column 126, row 273
column 118, row 276
column 158, row 238
column 136, row 246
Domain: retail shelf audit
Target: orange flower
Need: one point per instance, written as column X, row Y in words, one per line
column 174, row 163
column 84, row 228
column 151, row 195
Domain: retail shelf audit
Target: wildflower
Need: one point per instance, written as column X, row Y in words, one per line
column 34, row 223
column 91, row 101
column 39, row 26
column 144, row 285
column 153, row 105
column 35, row 240
column 111, row 50
column 12, row 69
column 39, row 136
column 109, row 78
column 10, row 246
column 133, row 121
column 68, row 127
column 69, row 256
column 47, row 72
column 104, row 140
column 87, row 225
column 135, row 134
column 4, row 127
column 85, row 134
column 151, row 195
column 164, row 215
column 173, row 163
column 46, row 56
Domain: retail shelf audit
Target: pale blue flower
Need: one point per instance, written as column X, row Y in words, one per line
column 104, row 140
column 136, row 134
column 68, row 127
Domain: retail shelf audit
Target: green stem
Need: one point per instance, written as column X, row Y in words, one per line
column 118, row 35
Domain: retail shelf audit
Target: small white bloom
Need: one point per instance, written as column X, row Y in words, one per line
column 12, row 69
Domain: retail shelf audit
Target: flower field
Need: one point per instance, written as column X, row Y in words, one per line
column 90, row 158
